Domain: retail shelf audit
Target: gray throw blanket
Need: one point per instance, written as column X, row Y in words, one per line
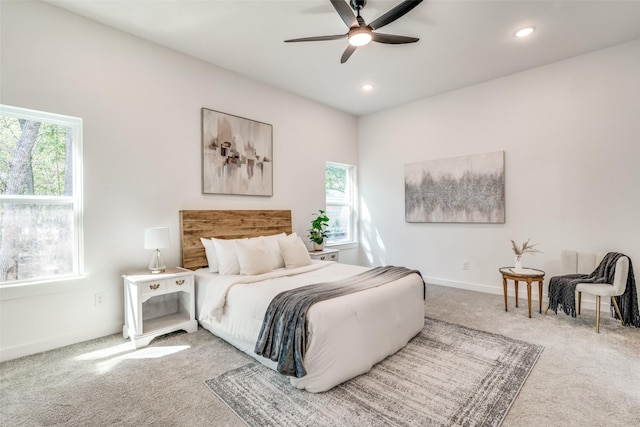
column 283, row 336
column 562, row 290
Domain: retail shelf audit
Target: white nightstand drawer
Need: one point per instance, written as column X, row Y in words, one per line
column 326, row 255
column 158, row 287
column 153, row 287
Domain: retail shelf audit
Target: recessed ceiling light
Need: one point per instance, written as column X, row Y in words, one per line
column 367, row 87
column 524, row 32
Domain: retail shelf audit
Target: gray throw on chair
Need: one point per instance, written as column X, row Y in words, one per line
column 562, row 290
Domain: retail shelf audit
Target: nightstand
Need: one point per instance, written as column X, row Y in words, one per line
column 156, row 304
column 326, row 255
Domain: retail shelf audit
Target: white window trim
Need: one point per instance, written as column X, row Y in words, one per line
column 353, row 243
column 58, row 283
column 17, row 290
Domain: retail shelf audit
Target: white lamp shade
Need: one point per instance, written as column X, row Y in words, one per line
column 156, row 238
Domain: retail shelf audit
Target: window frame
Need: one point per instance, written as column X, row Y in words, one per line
column 18, row 288
column 352, row 204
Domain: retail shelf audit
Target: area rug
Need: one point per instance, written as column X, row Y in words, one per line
column 448, row 375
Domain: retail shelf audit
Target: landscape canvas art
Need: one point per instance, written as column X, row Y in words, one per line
column 467, row 189
column 237, row 155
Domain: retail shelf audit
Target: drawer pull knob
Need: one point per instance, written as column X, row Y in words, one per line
column 180, row 282
column 322, row 258
column 333, row 256
column 154, row 286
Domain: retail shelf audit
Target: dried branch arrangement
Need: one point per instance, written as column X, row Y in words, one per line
column 526, row 248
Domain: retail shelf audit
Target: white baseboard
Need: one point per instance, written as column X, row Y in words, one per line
column 477, row 287
column 588, row 301
column 58, row 341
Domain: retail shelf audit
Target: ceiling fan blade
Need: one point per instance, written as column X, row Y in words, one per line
column 347, row 53
column 392, row 39
column 345, row 12
column 394, row 13
column 317, row 38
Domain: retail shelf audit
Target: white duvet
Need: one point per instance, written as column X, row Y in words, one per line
column 348, row 335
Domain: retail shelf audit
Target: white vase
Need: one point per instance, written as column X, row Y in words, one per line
column 318, row 246
column 518, row 262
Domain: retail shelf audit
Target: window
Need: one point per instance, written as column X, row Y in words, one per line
column 40, row 196
column 341, row 196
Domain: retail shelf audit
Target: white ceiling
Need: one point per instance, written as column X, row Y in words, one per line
column 461, row 42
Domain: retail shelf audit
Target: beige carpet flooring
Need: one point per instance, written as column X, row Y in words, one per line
column 581, row 379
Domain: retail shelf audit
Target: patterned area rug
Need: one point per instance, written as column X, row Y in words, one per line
column 448, row 375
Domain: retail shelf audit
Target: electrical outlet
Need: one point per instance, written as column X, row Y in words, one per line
column 99, row 298
column 465, row 265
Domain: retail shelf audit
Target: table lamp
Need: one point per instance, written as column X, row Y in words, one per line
column 156, row 238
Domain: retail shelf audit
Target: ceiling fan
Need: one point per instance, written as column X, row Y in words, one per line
column 360, row 33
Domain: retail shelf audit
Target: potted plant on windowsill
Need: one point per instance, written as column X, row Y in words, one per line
column 318, row 232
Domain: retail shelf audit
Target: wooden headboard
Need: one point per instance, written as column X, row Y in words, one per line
column 225, row 224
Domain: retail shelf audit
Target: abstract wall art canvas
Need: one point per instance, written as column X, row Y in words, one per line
column 237, row 155
column 467, row 189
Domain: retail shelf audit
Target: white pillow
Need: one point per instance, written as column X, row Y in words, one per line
column 254, row 257
column 226, row 255
column 294, row 253
column 210, row 252
column 291, row 237
column 274, row 248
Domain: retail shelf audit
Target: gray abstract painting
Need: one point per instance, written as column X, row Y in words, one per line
column 468, row 189
column 236, row 155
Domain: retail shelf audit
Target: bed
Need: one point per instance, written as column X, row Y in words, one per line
column 347, row 335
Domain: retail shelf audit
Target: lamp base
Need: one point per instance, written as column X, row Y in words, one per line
column 157, row 265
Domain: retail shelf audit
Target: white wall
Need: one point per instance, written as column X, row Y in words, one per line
column 571, row 136
column 140, row 104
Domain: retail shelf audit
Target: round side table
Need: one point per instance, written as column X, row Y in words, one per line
column 526, row 275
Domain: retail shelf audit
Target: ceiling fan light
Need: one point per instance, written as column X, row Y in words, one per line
column 359, row 37
column 524, row 32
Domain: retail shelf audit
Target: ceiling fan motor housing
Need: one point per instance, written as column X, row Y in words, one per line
column 358, row 4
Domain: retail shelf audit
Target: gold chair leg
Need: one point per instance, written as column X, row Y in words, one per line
column 615, row 305
column 547, row 309
column 597, row 314
column 579, row 301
